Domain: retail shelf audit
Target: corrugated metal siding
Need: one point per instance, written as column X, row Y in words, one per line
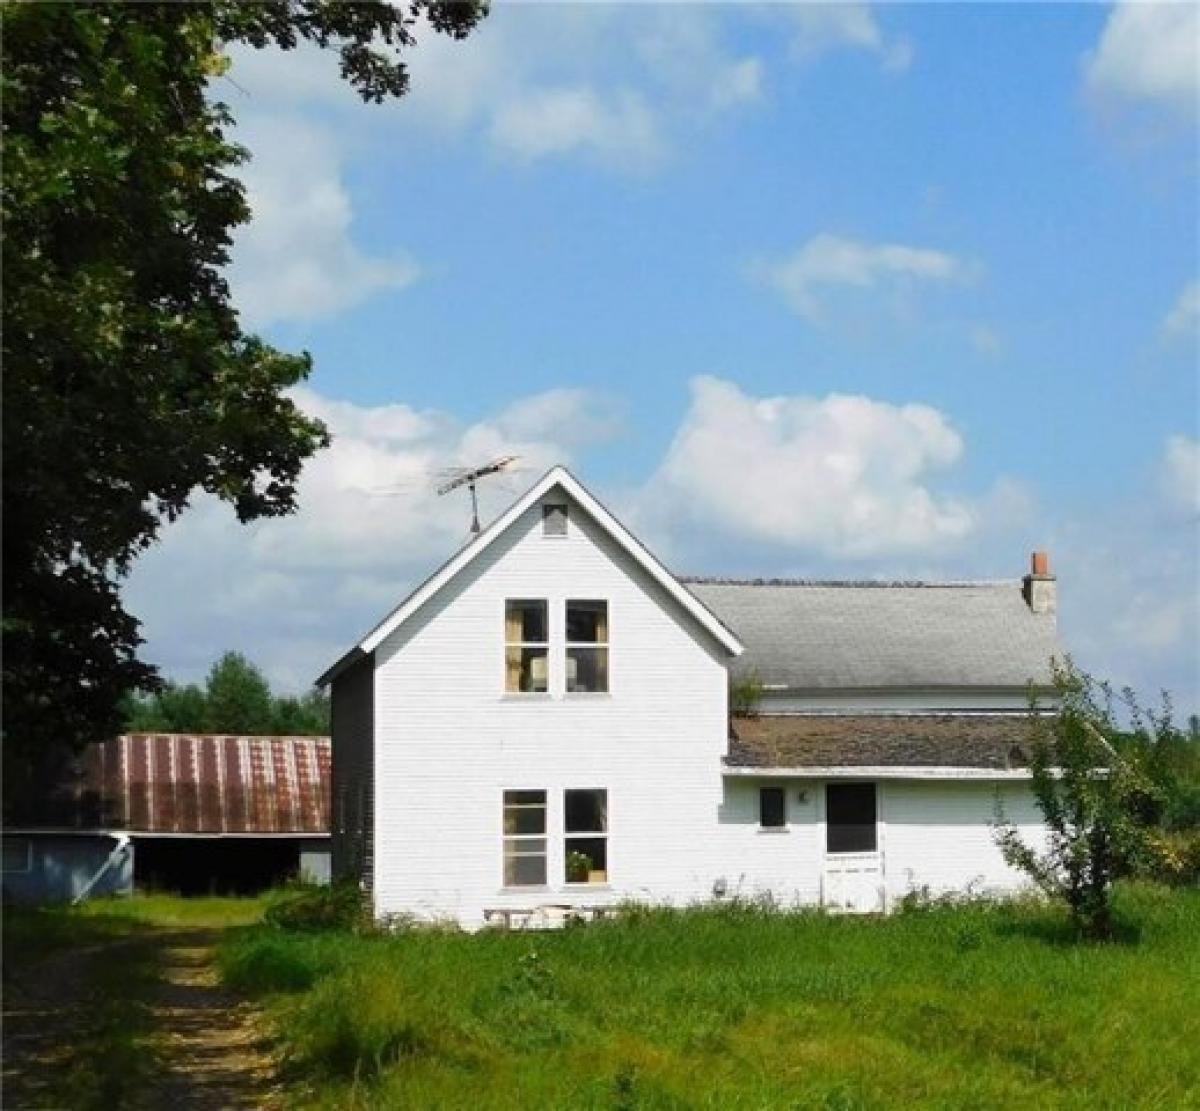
column 176, row 783
column 353, row 708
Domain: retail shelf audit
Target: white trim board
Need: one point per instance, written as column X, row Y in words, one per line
column 556, row 477
column 877, row 772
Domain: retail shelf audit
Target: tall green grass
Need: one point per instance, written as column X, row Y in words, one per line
column 981, row 1006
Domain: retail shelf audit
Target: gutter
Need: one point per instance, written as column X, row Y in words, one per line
column 875, row 772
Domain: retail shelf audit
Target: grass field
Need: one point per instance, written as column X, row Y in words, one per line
column 33, row 932
column 978, row 1006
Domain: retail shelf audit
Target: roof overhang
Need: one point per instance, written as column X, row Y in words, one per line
column 556, row 477
column 198, row 835
column 879, row 772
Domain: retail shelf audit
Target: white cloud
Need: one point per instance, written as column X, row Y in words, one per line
column 839, row 475
column 1180, row 474
column 827, row 262
column 1129, row 603
column 294, row 592
column 297, row 259
column 617, row 87
column 823, row 27
column 619, row 130
column 1184, row 317
column 1149, row 52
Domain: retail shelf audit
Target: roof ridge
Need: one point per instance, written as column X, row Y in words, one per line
column 728, row 580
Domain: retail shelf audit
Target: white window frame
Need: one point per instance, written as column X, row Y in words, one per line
column 606, row 644
column 8, row 838
column 546, row 837
column 547, row 645
column 588, row 835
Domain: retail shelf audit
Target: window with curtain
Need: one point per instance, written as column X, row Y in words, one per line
column 587, row 646
column 524, row 838
column 526, row 646
column 585, row 825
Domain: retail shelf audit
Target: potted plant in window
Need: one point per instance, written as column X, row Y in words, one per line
column 578, row 867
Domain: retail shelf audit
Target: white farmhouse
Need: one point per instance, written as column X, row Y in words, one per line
column 542, row 728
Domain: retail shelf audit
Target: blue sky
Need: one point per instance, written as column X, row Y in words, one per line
column 823, row 290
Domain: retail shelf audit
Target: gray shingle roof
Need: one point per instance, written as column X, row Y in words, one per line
column 870, row 635
column 992, row 741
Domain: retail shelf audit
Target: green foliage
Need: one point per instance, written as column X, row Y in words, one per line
column 304, row 907
column 578, row 866
column 235, row 699
column 744, row 1005
column 1099, row 805
column 271, row 965
column 129, row 384
column 239, row 698
column 745, row 695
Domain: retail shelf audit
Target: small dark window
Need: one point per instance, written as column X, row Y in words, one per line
column 850, row 818
column 554, row 520
column 771, row 808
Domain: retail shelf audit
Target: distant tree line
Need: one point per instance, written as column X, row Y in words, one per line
column 236, row 698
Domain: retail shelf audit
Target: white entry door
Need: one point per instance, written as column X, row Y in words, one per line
column 852, row 877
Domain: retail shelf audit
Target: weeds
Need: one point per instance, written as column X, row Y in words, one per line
column 744, row 1005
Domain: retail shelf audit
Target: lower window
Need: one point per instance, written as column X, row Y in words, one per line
column 524, row 838
column 850, row 812
column 585, row 824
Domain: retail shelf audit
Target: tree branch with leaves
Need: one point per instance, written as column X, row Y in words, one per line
column 1097, row 801
column 129, row 384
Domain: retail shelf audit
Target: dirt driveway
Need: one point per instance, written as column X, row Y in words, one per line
column 140, row 1022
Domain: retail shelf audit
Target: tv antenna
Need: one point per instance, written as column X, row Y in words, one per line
column 468, row 477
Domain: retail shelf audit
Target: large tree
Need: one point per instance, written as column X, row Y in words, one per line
column 129, row 383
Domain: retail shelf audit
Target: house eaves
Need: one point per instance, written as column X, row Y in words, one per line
column 557, row 477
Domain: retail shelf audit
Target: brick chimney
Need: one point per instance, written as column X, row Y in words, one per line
column 1041, row 587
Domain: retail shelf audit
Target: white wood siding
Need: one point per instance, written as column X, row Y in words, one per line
column 931, row 834
column 940, row 836
column 448, row 740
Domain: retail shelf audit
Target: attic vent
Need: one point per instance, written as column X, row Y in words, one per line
column 554, row 520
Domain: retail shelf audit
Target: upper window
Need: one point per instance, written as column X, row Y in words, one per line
column 554, row 520
column 526, row 646
column 524, row 838
column 850, row 818
column 585, row 824
column 771, row 808
column 587, row 646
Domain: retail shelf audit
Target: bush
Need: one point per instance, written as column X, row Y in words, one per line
column 358, row 1023
column 306, row 908
column 269, row 964
column 1177, row 857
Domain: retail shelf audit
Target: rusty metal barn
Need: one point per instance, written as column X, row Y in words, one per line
column 178, row 812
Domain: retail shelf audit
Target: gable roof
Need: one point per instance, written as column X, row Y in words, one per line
column 813, row 636
column 557, row 477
